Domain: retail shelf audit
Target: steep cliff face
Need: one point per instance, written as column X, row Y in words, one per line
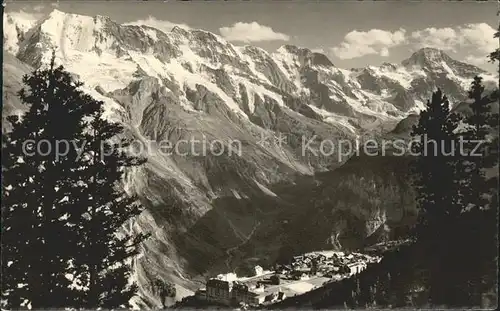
column 366, row 200
column 239, row 202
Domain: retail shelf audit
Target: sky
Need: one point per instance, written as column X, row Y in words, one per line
column 351, row 33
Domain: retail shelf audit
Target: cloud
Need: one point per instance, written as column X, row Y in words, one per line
column 439, row 38
column 319, row 50
column 163, row 25
column 477, row 36
column 38, row 8
column 475, row 41
column 476, row 60
column 375, row 41
column 251, row 32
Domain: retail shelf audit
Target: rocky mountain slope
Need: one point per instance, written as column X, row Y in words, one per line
column 192, row 84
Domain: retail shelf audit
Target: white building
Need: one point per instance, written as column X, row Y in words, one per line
column 231, row 293
column 356, row 267
column 259, row 270
column 229, row 277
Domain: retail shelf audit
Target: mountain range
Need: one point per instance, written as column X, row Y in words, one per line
column 214, row 213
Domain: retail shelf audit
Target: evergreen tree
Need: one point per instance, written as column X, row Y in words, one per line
column 61, row 209
column 101, row 265
column 436, row 184
column 481, row 147
column 477, row 230
column 163, row 290
column 495, row 55
column 438, row 180
column 455, row 224
column 35, row 236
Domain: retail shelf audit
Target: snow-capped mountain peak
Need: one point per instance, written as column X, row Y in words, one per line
column 428, row 59
column 434, row 60
column 430, row 54
column 110, row 56
column 305, row 56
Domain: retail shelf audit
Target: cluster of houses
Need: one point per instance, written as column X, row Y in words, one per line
column 266, row 286
column 327, row 264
